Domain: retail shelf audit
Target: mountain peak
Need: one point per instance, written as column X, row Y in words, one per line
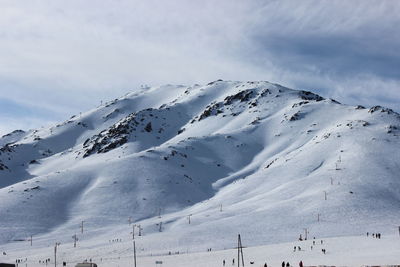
column 265, row 152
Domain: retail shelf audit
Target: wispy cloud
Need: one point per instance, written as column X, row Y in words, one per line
column 66, row 56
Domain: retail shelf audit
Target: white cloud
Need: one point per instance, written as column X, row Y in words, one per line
column 66, row 56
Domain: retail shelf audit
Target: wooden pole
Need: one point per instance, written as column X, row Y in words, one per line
column 55, row 254
column 75, row 239
column 241, row 250
column 238, row 248
column 134, row 253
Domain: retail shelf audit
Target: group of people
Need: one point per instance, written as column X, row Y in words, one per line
column 115, row 240
column 46, row 261
column 20, row 260
column 298, row 248
column 375, row 235
column 233, row 262
column 284, row 264
column 287, row 264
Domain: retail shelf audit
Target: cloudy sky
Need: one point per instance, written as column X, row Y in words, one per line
column 58, row 58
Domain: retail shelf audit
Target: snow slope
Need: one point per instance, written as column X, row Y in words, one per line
column 239, row 157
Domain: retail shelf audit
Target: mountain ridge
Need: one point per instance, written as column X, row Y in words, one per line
column 262, row 151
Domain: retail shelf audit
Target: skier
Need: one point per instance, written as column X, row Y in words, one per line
column 265, row 265
column 233, row 261
column 283, row 264
column 301, row 264
column 287, row 264
column 223, row 263
column 294, row 249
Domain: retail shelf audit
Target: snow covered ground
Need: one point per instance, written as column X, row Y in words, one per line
column 342, row 251
column 232, row 157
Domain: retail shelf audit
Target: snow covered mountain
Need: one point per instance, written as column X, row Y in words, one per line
column 194, row 166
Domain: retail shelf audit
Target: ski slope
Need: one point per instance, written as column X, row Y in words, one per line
column 235, row 157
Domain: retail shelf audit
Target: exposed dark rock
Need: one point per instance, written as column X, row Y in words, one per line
column 211, row 83
column 3, row 167
column 13, row 132
column 300, row 104
column 148, row 127
column 335, row 101
column 306, row 95
column 272, row 162
column 392, row 129
column 382, row 109
column 352, row 124
column 214, row 109
column 32, row 188
column 243, row 96
column 7, row 148
column 296, row 116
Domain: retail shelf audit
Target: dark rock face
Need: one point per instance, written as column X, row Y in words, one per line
column 306, row 95
column 296, row 116
column 3, row 167
column 381, row 109
column 149, row 121
column 148, row 128
column 214, row 109
column 113, row 137
column 300, row 104
column 245, row 96
column 7, row 148
column 13, row 132
column 392, row 129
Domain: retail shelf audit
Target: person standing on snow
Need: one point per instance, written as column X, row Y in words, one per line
column 301, row 264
